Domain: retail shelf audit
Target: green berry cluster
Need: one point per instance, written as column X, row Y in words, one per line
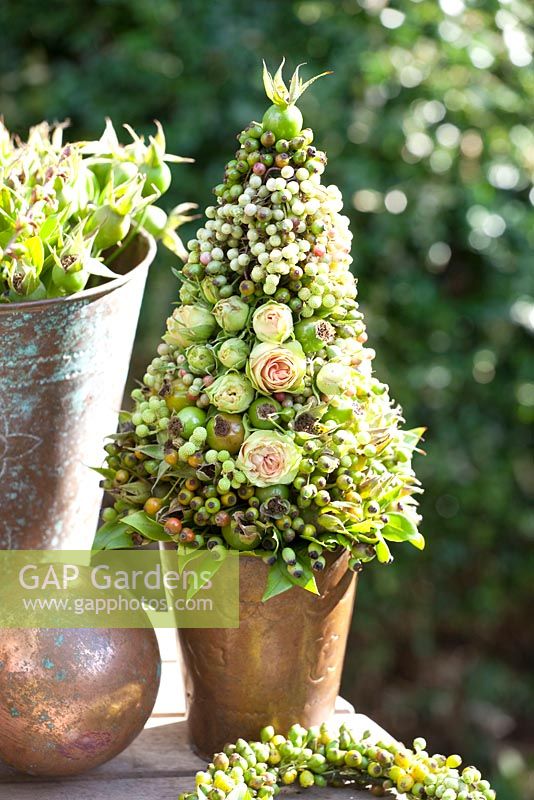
column 319, row 757
column 260, row 425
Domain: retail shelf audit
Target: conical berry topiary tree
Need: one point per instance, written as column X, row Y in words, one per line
column 260, row 426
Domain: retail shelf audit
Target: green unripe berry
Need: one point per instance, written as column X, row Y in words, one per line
column 221, row 761
column 374, row 769
column 267, row 733
column 353, row 759
column 109, row 515
column 295, row 570
column 224, row 485
column 319, row 564
column 306, row 778
column 317, row 762
column 289, row 776
column 289, row 556
column 213, row 505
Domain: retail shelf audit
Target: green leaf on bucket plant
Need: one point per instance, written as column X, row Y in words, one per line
column 146, row 526
column 401, row 529
column 112, row 536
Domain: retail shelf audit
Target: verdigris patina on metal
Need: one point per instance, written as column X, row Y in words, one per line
column 63, row 366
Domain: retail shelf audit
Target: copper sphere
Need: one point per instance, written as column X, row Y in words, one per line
column 73, row 699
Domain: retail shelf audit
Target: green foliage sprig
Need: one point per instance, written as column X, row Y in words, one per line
column 65, row 208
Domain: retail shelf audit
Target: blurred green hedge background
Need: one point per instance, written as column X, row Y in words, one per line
column 426, row 123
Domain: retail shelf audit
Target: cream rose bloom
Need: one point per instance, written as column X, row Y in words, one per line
column 189, row 325
column 273, row 322
column 267, row 458
column 231, row 392
column 277, row 367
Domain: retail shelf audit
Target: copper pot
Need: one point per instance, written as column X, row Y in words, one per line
column 282, row 665
column 63, row 366
column 73, row 699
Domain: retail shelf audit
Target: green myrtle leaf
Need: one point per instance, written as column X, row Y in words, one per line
column 387, row 498
column 183, row 471
column 210, row 566
column 418, row 541
column 112, row 536
column 349, row 509
column 402, row 529
column 370, row 538
column 320, row 542
column 109, row 474
column 136, row 491
column 35, row 249
column 49, row 229
column 185, row 555
column 162, row 469
column 366, row 526
column 277, row 582
column 331, row 523
column 146, row 526
column 152, row 451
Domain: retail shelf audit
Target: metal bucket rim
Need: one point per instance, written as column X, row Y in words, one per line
column 96, row 291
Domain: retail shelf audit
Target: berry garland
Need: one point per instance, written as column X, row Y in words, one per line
column 260, row 426
column 318, row 757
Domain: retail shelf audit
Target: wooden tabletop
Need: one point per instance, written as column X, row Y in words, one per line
column 159, row 764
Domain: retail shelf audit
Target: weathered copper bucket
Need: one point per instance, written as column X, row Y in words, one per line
column 282, row 665
column 63, row 366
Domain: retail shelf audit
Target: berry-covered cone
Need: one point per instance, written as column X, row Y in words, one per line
column 260, row 425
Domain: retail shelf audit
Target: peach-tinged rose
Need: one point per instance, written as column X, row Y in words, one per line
column 273, row 322
column 267, row 458
column 277, row 367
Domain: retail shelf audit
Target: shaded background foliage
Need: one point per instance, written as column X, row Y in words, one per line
column 426, row 123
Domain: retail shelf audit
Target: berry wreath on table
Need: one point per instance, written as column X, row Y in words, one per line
column 320, row 757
